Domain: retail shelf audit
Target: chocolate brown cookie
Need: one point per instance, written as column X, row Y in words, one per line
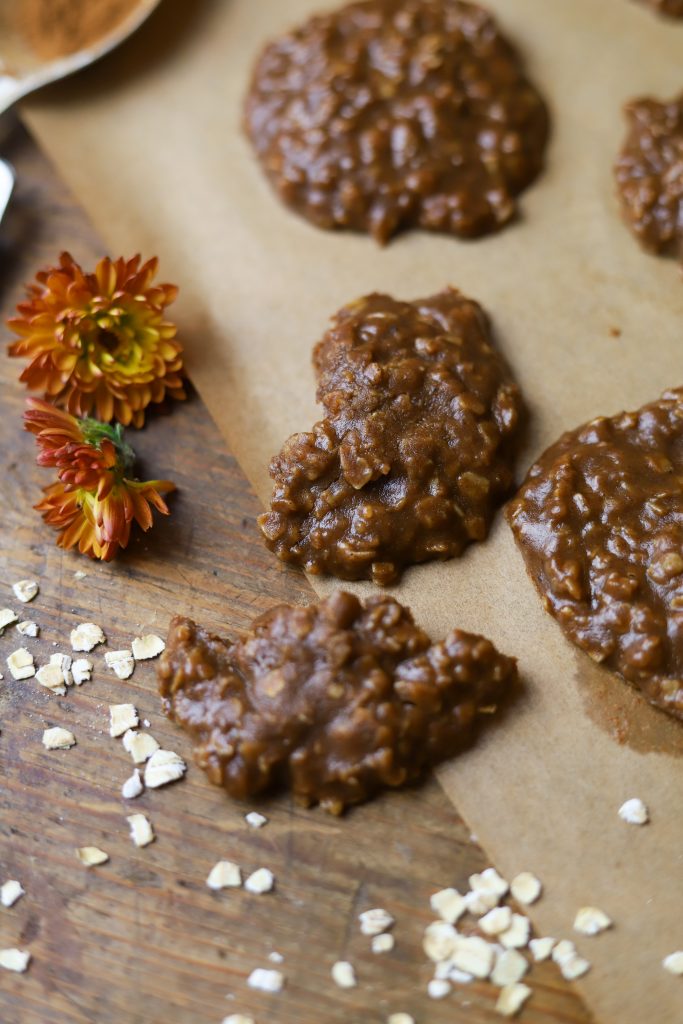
column 599, row 520
column 334, row 701
column 391, row 113
column 416, row 451
column 649, row 174
column 672, row 8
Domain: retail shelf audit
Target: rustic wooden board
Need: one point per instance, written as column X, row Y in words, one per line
column 141, row 939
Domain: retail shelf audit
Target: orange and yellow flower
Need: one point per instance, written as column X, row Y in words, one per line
column 94, row 503
column 98, row 343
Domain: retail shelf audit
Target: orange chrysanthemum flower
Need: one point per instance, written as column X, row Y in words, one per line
column 98, row 343
column 94, row 502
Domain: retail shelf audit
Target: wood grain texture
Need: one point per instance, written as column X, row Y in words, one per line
column 141, row 939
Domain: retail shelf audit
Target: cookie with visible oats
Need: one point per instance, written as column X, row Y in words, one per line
column 334, row 701
column 417, row 449
column 649, row 174
column 599, row 520
column 387, row 114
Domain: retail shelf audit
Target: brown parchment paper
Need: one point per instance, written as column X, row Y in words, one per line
column 150, row 142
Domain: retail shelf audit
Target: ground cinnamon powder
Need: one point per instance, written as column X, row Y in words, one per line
column 56, row 28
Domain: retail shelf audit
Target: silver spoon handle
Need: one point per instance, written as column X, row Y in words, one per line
column 6, row 185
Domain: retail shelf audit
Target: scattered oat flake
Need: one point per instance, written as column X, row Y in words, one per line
column 474, row 956
column 462, row 977
column 266, row 980
column 121, row 662
column 510, row 967
column 448, row 904
column 440, row 940
column 63, row 663
column 164, row 766
column 438, row 989
column 122, row 717
column 634, row 812
column 91, row 855
column 52, row 678
column 28, row 628
column 496, row 921
column 132, row 787
column 238, row 1018
column 86, row 636
column 489, row 881
column 10, row 892
column 149, row 646
column 141, row 831
column 400, row 1018
column 79, row 574
column 224, row 875
column 512, row 999
column 58, row 739
column 255, row 820
column 276, row 958
column 81, row 671
column 260, row 881
column 574, row 967
column 563, row 950
column 541, row 948
column 375, row 921
column 7, row 617
column 591, row 921
column 25, row 590
column 517, row 935
column 15, row 960
column 383, row 943
column 20, row 664
column 478, row 903
column 525, row 888
column 140, row 745
column 343, row 974
column 673, row 963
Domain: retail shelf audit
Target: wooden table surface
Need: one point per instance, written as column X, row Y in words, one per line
column 141, row 939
